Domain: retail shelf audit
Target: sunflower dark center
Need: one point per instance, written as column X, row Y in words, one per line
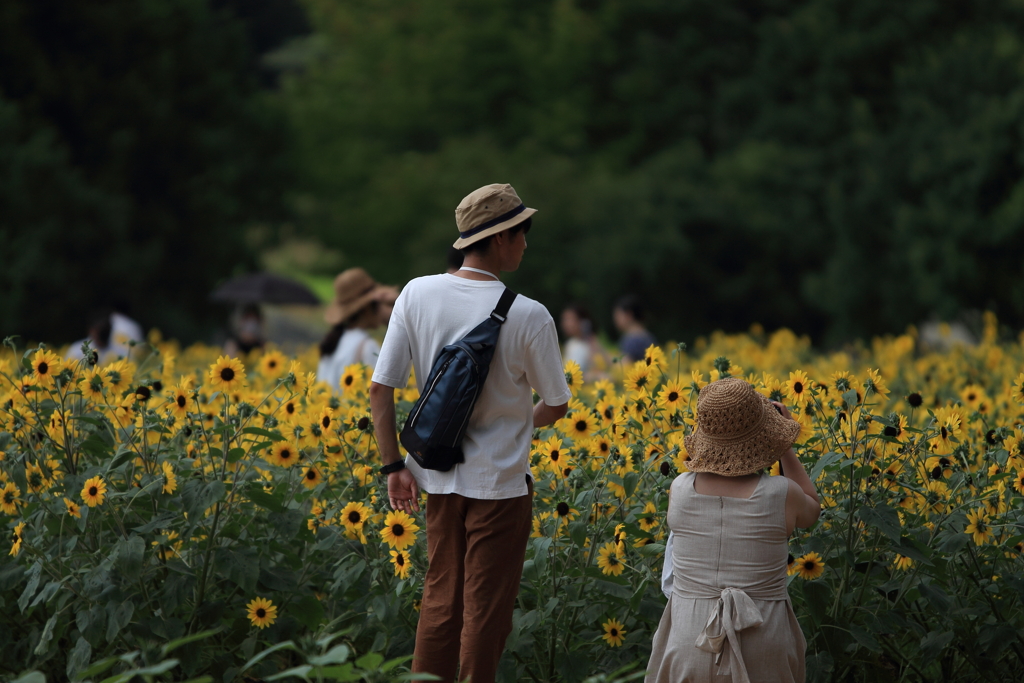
column 555, row 455
column 355, row 517
column 348, row 380
column 227, row 374
column 809, row 565
column 915, row 400
column 608, row 413
column 673, row 397
column 180, row 400
column 615, row 633
column 363, row 423
column 311, row 474
column 143, row 393
column 581, row 425
column 326, row 421
column 798, row 387
column 563, row 509
column 944, row 432
column 261, row 613
column 400, row 560
column 93, row 490
column 42, row 368
column 271, row 363
column 397, row 530
column 890, row 431
column 937, row 473
column 285, row 454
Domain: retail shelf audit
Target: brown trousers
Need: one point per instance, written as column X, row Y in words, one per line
column 476, row 550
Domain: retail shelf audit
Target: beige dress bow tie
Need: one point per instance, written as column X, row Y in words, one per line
column 734, row 612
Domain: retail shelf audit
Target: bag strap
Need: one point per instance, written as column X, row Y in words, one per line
column 500, row 312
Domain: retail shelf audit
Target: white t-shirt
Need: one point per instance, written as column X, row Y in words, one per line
column 435, row 311
column 355, row 346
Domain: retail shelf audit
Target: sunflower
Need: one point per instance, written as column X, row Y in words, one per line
column 17, row 539
column 580, row 424
column 327, row 420
column 791, row 565
column 841, row 381
column 34, row 478
column 874, row 385
column 353, row 516
column 938, row 467
column 1018, row 483
column 351, row 380
column 272, row 364
column 92, row 384
column 261, row 612
column 654, row 357
column 170, row 478
column 399, row 530
column 978, row 527
column 671, row 397
column 551, row 453
column 119, row 375
column 45, row 366
column 226, row 374
column 796, row 386
column 649, row 519
column 638, row 379
column 564, row 513
column 311, row 477
column 10, row 498
column 902, row 563
column 1017, row 392
column 94, row 491
column 609, row 561
column 292, row 411
column 178, row 404
column 810, row 566
column 614, row 634
column 283, row 454
column 400, row 559
column 73, row 508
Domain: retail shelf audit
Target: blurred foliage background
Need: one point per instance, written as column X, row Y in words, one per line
column 843, row 169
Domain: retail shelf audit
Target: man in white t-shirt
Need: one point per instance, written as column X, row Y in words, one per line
column 480, row 513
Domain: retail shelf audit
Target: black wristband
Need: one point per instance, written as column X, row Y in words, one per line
column 393, row 467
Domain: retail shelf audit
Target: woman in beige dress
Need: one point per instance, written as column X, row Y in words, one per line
column 728, row 617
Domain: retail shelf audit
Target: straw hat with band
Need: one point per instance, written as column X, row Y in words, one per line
column 488, row 211
column 353, row 289
column 738, row 430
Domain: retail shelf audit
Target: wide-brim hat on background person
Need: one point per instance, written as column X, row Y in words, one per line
column 353, row 289
column 488, row 211
column 738, row 430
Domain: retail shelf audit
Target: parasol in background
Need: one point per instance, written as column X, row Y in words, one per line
column 264, row 288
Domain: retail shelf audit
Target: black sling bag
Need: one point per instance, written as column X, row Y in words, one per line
column 437, row 423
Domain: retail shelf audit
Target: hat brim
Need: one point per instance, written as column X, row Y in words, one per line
column 464, row 242
column 337, row 312
column 761, row 449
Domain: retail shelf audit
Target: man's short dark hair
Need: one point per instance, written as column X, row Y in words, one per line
column 455, row 258
column 631, row 304
column 482, row 246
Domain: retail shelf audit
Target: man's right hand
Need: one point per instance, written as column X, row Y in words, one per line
column 403, row 492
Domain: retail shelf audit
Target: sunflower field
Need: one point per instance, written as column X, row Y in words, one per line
column 222, row 518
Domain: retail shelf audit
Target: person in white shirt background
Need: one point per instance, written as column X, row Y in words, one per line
column 354, row 312
column 582, row 344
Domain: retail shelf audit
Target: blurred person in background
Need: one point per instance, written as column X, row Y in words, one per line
column 386, row 298
column 582, row 344
column 628, row 316
column 355, row 310
column 124, row 331
column 98, row 336
column 247, row 332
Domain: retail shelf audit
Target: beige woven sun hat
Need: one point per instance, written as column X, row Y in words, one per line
column 353, row 289
column 488, row 211
column 738, row 430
